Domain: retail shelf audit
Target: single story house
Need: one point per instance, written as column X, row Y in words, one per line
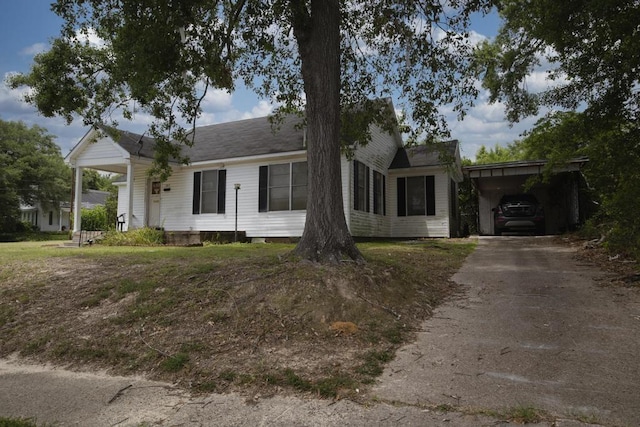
column 249, row 174
column 58, row 219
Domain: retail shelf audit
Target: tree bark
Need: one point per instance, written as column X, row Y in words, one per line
column 326, row 237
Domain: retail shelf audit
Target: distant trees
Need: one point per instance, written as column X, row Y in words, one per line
column 497, row 154
column 31, row 170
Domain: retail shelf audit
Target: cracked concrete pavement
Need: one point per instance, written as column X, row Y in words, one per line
column 533, row 328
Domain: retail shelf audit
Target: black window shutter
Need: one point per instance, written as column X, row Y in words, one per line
column 384, row 195
column 263, row 188
column 196, row 192
column 356, row 165
column 367, row 188
column 431, row 194
column 402, row 197
column 222, row 190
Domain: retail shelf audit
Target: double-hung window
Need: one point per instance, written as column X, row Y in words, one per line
column 283, row 187
column 416, row 196
column 379, row 191
column 209, row 191
column 360, row 187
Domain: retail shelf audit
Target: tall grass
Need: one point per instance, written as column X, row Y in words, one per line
column 139, row 237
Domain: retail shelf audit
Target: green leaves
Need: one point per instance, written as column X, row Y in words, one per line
column 31, row 170
column 588, row 49
column 161, row 57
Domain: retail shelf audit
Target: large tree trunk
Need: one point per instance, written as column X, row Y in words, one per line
column 326, row 237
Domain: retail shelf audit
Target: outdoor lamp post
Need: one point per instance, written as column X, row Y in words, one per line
column 235, row 234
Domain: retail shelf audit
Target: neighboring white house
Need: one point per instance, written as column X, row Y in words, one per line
column 58, row 219
column 388, row 190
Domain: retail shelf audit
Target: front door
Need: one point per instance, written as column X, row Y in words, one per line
column 154, row 205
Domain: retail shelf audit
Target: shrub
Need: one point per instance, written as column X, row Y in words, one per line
column 95, row 219
column 139, row 237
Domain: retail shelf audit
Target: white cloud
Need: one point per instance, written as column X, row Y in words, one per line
column 263, row 108
column 217, row 100
column 90, row 36
column 34, row 49
column 484, row 124
column 12, row 100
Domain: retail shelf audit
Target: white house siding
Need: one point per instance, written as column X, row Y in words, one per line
column 39, row 217
column 420, row 226
column 140, row 180
column 377, row 155
column 123, row 199
column 99, row 153
column 176, row 204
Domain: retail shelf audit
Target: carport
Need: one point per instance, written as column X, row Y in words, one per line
column 560, row 195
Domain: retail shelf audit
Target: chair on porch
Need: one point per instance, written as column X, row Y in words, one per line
column 120, row 222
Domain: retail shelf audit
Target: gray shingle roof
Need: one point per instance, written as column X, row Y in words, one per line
column 243, row 138
column 93, row 198
column 424, row 155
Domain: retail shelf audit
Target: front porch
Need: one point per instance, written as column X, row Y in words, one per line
column 99, row 151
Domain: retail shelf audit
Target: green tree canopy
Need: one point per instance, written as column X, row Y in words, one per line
column 612, row 171
column 334, row 60
column 588, row 48
column 497, row 154
column 31, row 171
column 94, row 180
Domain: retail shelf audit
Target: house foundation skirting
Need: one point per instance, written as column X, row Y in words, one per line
column 194, row 238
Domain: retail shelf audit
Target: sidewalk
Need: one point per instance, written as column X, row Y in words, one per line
column 66, row 398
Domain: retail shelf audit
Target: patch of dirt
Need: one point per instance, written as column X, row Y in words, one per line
column 233, row 324
column 622, row 270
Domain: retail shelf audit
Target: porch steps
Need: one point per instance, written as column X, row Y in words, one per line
column 84, row 237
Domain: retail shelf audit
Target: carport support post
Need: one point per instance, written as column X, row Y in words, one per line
column 77, row 202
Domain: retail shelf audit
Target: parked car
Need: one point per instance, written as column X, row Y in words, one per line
column 520, row 212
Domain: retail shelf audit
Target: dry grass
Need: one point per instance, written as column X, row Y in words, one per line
column 219, row 318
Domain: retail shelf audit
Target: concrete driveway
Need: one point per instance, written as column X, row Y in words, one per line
column 535, row 328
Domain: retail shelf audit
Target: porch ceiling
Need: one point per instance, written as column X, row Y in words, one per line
column 113, row 168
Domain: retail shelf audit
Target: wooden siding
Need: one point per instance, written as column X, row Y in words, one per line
column 420, row 226
column 101, row 152
column 123, row 198
column 138, row 219
column 377, row 155
column 176, row 204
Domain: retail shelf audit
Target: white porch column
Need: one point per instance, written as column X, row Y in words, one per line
column 129, row 213
column 77, row 202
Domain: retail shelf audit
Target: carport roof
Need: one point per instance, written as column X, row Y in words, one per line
column 521, row 167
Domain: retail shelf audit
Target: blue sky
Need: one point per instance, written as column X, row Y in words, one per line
column 27, row 26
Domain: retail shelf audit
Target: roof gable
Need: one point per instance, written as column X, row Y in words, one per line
column 426, row 155
column 95, row 145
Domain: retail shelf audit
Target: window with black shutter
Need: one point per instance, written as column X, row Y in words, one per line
column 209, row 191
column 282, row 187
column 360, row 186
column 416, row 196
